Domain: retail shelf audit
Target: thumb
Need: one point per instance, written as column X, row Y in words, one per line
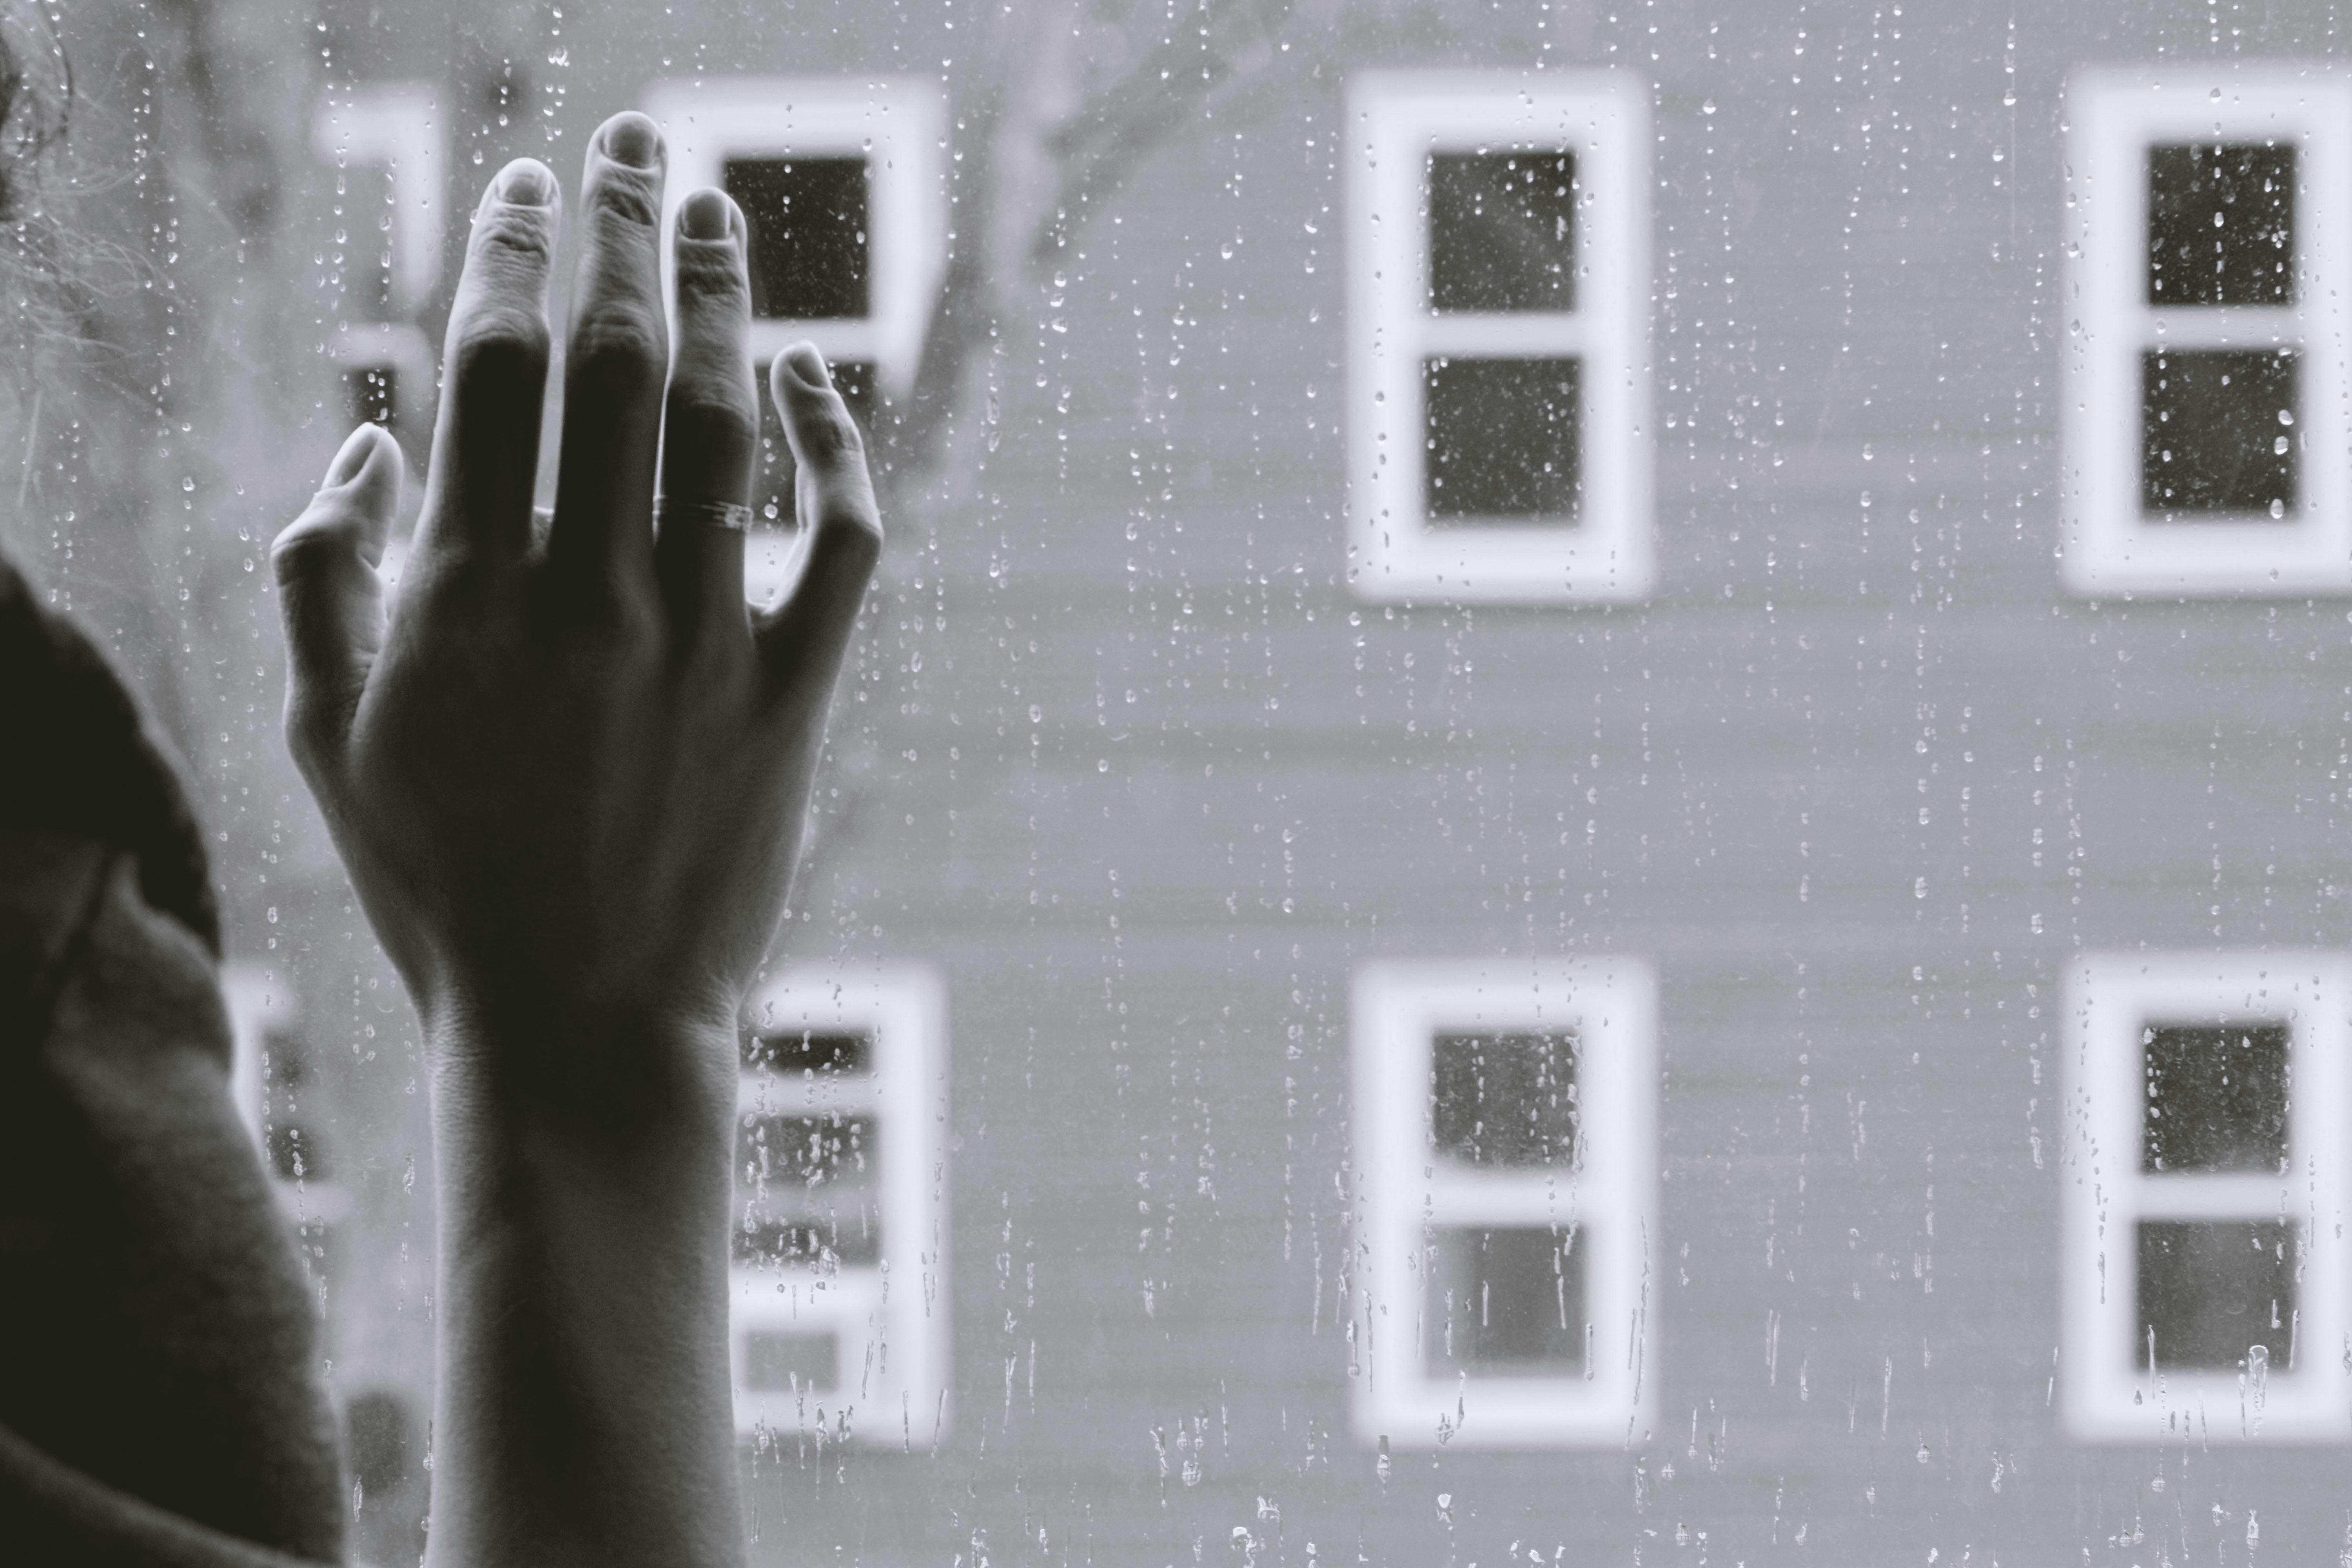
column 328, row 592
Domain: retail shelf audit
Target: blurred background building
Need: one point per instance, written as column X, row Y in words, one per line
column 1592, row 812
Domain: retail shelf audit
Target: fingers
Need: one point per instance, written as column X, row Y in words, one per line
column 801, row 641
column 485, row 442
column 328, row 592
column 614, row 363
column 709, row 422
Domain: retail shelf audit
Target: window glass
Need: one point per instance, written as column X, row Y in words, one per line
column 1502, row 231
column 2220, row 224
column 1502, row 439
column 2217, row 1097
column 2216, row 432
column 1506, row 1301
column 2217, row 1295
column 807, row 217
column 1593, row 810
column 1503, row 1099
column 370, row 393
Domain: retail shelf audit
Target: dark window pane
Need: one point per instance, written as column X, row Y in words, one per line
column 296, row 1152
column 850, row 1239
column 1507, row 1302
column 290, row 1109
column 2209, row 1289
column 2217, row 432
column 1503, row 439
column 1505, row 1100
column 771, row 478
column 2221, row 226
column 807, row 217
column 804, row 1150
column 786, row 1361
column 841, row 1052
column 1502, row 231
column 371, row 393
column 2216, row 1097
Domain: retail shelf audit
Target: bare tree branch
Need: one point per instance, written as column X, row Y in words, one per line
column 1070, row 100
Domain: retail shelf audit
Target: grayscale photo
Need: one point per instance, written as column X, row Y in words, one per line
column 1086, row 783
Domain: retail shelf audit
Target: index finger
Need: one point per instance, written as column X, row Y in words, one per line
column 477, row 490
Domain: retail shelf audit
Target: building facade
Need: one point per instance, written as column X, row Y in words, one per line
column 1592, row 812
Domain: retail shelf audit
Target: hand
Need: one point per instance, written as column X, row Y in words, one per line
column 568, row 773
column 570, row 776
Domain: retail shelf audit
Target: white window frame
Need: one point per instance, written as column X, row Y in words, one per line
column 898, row 123
column 889, row 1320
column 2111, row 997
column 1405, row 1191
column 397, row 126
column 1396, row 119
column 2115, row 115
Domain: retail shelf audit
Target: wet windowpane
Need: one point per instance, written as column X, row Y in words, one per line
column 773, row 472
column 294, row 1152
column 371, row 393
column 1507, row 1302
column 805, row 1151
column 807, row 217
column 291, row 1111
column 2220, row 224
column 773, row 1360
column 1502, row 231
column 1504, row 439
column 380, row 1440
column 807, row 1187
column 839, row 1052
column 2217, row 1097
column 1505, row 1100
column 2217, row 434
column 368, row 287
column 767, row 1239
column 2209, row 1289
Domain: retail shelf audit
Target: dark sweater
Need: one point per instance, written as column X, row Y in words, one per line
column 160, row 1391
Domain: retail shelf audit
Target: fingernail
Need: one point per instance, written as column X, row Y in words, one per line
column 632, row 139
column 808, row 364
column 351, row 457
column 706, row 214
column 526, row 183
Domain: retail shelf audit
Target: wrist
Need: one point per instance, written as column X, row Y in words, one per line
column 643, row 1079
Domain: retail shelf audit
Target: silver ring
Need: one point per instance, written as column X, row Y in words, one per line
column 542, row 518
column 728, row 515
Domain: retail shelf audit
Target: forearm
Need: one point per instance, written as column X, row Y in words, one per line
column 584, row 1412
